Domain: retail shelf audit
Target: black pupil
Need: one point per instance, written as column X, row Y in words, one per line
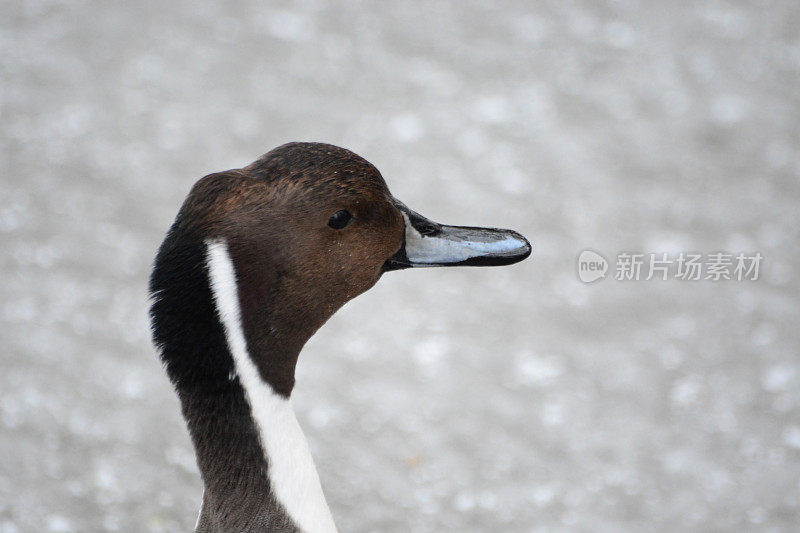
column 340, row 219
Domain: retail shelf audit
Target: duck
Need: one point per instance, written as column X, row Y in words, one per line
column 256, row 261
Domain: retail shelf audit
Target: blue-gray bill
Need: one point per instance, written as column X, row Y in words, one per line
column 428, row 244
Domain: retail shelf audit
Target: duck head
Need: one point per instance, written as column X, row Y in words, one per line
column 307, row 227
column 256, row 261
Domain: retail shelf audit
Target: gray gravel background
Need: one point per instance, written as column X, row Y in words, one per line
column 515, row 399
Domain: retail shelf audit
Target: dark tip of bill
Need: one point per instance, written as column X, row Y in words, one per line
column 502, row 258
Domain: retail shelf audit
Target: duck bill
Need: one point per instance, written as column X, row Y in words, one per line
column 429, row 244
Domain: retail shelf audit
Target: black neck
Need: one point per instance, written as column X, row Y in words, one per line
column 195, row 353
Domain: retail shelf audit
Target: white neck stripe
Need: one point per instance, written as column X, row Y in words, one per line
column 292, row 473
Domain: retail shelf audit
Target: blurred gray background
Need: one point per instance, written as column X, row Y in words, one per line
column 512, row 399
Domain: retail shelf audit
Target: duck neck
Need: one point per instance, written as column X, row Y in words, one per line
column 257, row 471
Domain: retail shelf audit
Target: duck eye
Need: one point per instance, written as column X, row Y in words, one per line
column 340, row 219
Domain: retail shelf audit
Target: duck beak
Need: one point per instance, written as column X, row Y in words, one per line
column 428, row 244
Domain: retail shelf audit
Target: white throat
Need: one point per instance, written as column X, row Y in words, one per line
column 292, row 473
